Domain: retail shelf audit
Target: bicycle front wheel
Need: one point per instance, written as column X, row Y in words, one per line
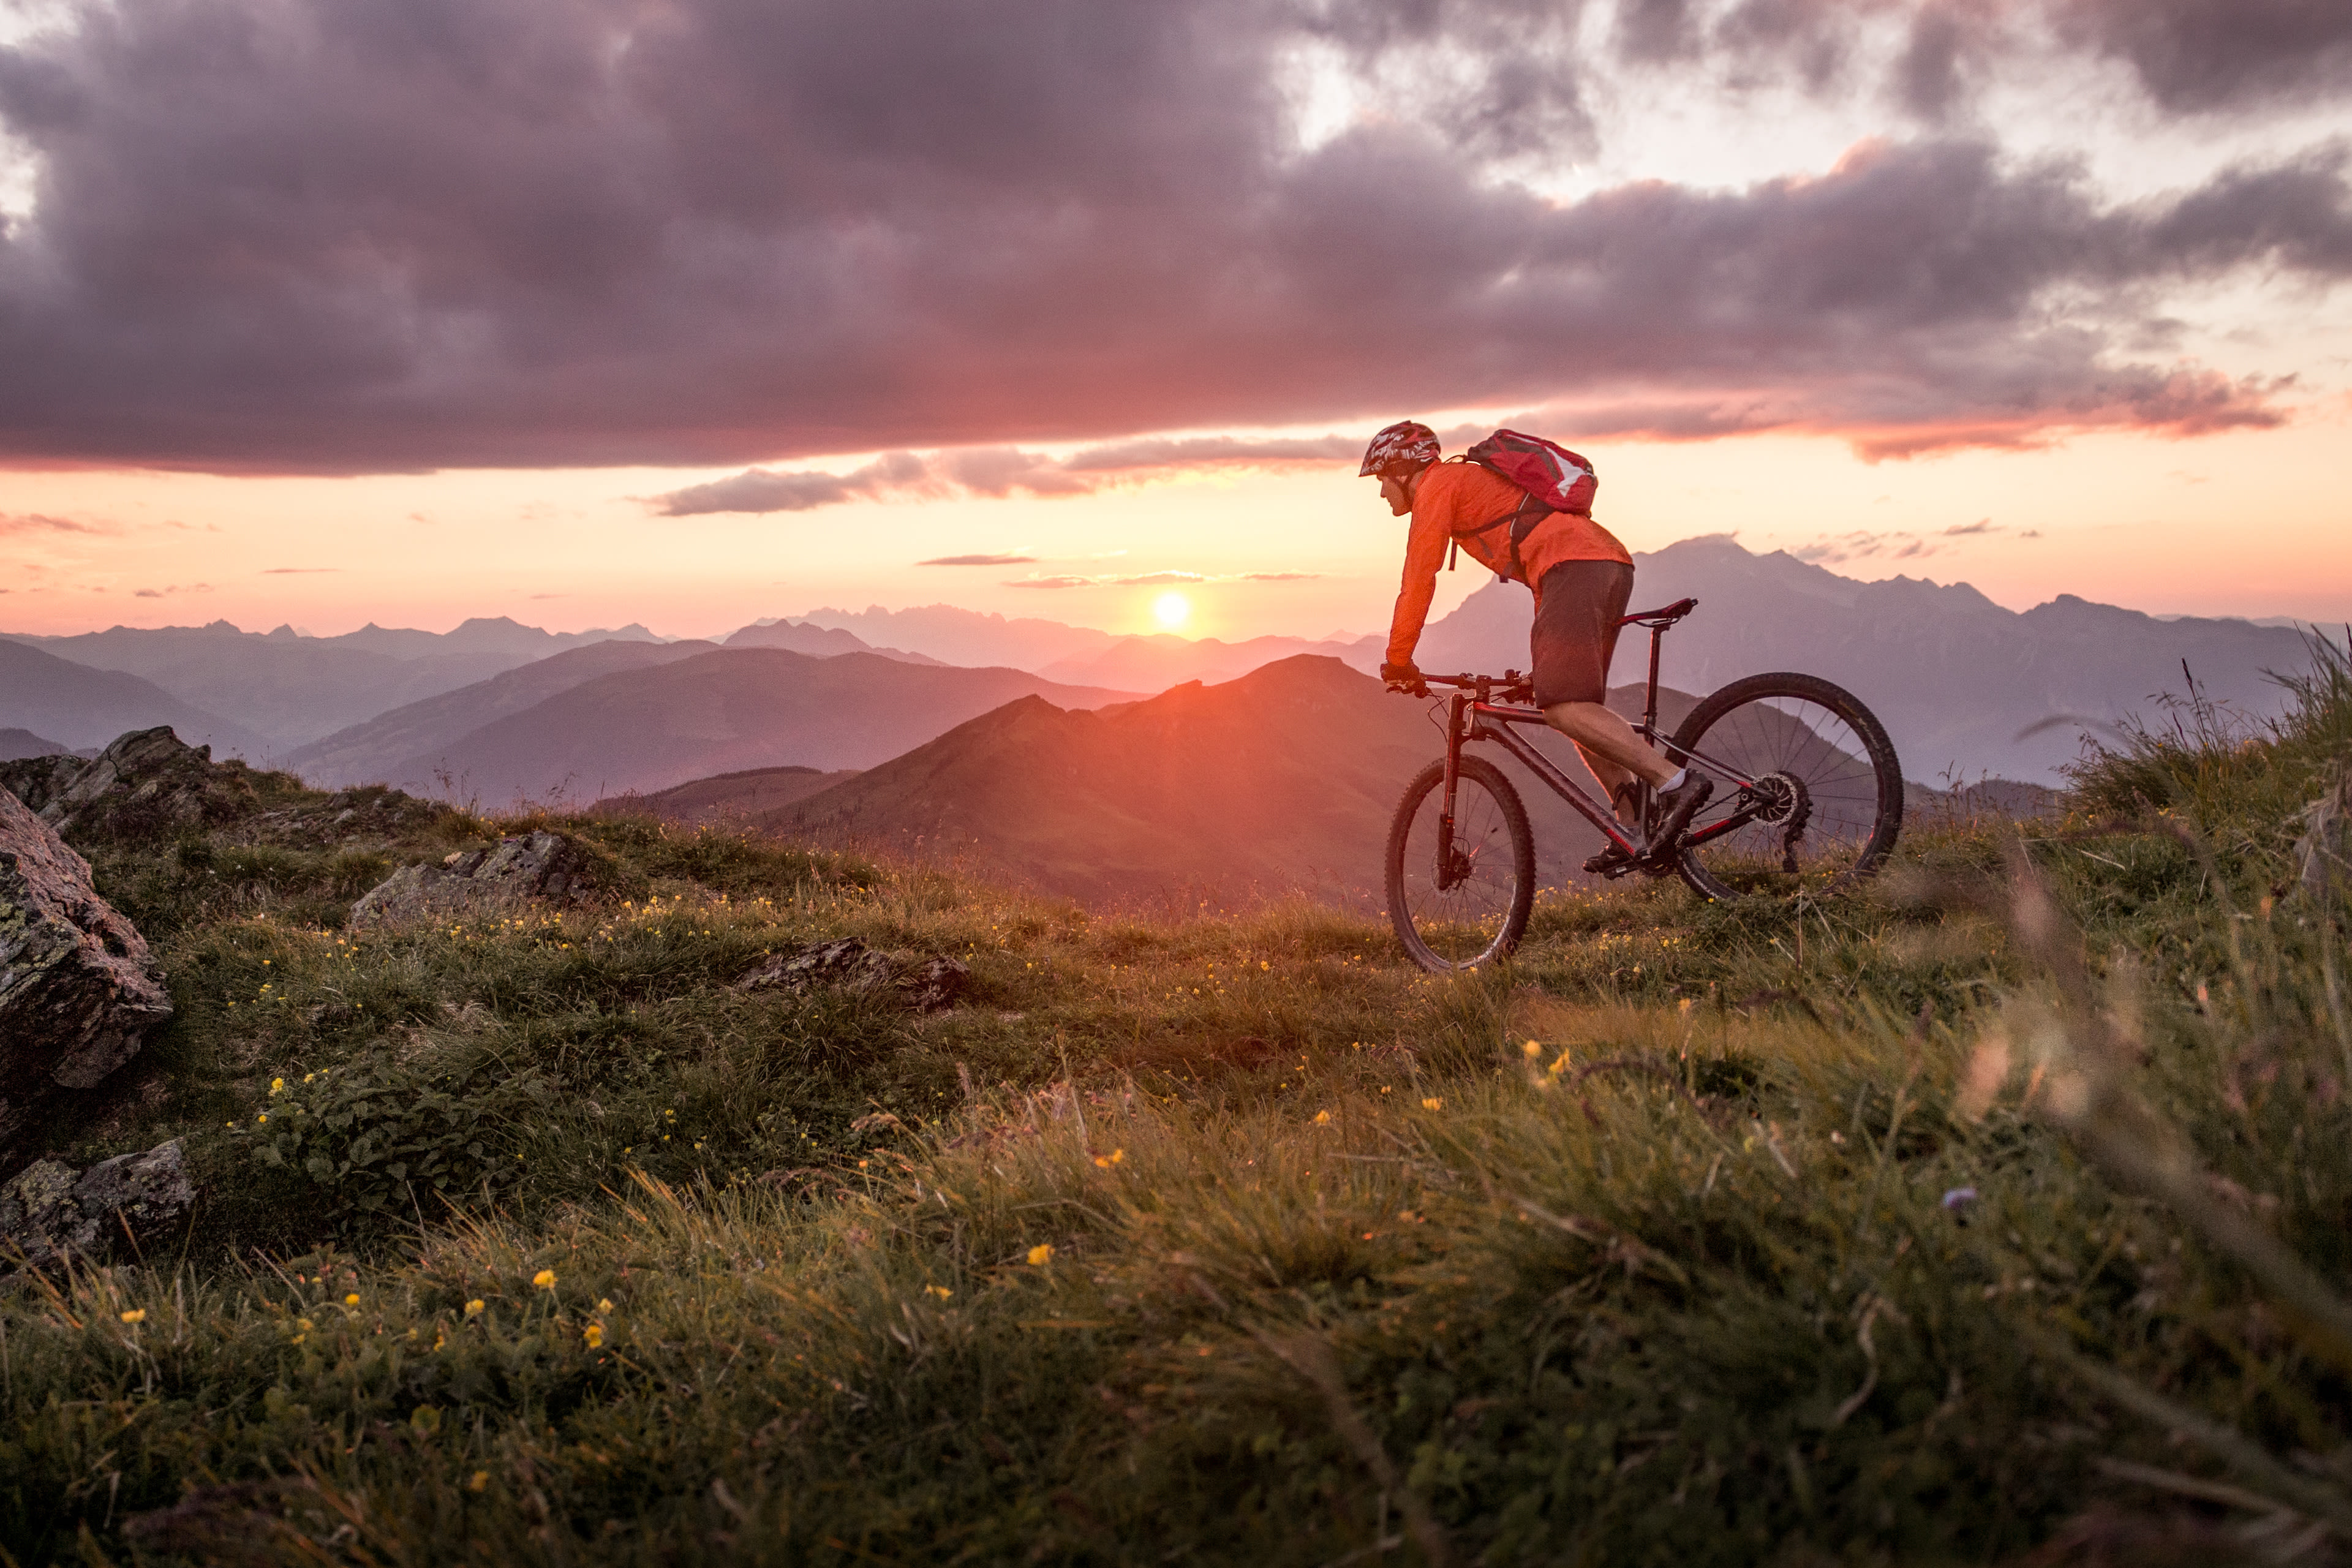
column 1459, row 900
column 1822, row 799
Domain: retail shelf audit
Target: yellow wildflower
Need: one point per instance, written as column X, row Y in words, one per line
column 1040, row 1254
column 482, row 1479
column 1322, row 1119
column 544, row 1278
column 136, row 1315
column 352, row 1299
column 1433, row 1104
column 474, row 1309
column 594, row 1334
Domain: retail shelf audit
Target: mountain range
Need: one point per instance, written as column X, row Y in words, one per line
column 404, row 746
column 1964, row 686
column 668, row 720
column 287, row 688
column 734, row 798
column 79, row 707
column 1281, row 781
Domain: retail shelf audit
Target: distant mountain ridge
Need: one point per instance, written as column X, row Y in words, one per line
column 401, row 748
column 78, row 707
column 1281, row 781
column 722, row 710
column 16, row 744
column 290, row 690
column 801, row 636
column 1959, row 680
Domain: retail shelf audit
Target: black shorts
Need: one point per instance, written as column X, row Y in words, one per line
column 1576, row 630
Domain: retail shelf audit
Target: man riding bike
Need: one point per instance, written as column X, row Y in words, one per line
column 1582, row 579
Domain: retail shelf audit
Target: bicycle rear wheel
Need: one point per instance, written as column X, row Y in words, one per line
column 1462, row 903
column 1824, row 797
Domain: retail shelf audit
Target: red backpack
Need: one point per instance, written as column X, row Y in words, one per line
column 1555, row 480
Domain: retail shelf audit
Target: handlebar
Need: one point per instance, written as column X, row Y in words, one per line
column 1508, row 686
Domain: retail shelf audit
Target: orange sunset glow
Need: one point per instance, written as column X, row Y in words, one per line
column 1850, row 319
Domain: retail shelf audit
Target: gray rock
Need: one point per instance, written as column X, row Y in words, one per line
column 549, row 865
column 927, row 985
column 936, row 983
column 145, row 782
column 78, row 990
column 47, row 1212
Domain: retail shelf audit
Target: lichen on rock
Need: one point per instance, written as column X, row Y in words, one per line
column 528, row 866
column 927, row 984
column 48, row 1211
column 78, row 990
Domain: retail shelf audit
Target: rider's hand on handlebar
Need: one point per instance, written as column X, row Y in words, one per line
column 1404, row 677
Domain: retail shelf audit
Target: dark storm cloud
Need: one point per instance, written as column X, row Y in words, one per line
column 2187, row 56
column 283, row 234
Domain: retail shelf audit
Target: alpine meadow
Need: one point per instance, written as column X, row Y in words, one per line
column 1993, row 1213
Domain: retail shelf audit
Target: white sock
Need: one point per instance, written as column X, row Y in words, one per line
column 1680, row 776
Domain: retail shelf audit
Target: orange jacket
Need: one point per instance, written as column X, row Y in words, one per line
column 1454, row 499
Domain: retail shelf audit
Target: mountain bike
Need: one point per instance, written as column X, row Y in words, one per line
column 1808, row 796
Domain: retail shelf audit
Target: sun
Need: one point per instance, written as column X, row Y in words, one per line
column 1172, row 609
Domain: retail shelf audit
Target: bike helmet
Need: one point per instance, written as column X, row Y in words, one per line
column 1407, row 444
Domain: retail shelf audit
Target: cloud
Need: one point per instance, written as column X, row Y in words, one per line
column 41, row 523
column 1157, row 579
column 1981, row 525
column 1863, row 544
column 2200, row 57
column 372, row 236
column 1159, row 452
column 295, row 571
column 993, row 471
column 978, row 561
column 166, row 593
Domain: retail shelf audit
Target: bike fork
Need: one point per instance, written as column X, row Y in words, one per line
column 1454, row 706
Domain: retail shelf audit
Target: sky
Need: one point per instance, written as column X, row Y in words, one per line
column 693, row 312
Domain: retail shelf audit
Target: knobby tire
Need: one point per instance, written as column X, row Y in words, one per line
column 1483, row 918
column 1819, row 733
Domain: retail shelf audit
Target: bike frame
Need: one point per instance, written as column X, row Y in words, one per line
column 1472, row 713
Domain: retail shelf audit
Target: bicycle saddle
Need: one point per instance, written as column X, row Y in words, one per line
column 1665, row 616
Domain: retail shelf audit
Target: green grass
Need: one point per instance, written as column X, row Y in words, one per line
column 1216, row 1240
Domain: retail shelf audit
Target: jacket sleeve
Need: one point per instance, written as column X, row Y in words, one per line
column 1425, row 550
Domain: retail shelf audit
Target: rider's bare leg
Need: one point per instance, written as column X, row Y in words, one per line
column 1612, row 778
column 1606, row 741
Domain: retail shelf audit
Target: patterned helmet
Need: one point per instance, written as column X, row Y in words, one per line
column 1407, row 444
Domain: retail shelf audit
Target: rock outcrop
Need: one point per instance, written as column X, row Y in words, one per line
column 546, row 866
column 48, row 1211
column 78, row 991
column 927, row 985
column 146, row 782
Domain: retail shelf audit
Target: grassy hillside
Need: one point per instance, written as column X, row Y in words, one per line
column 1884, row 1229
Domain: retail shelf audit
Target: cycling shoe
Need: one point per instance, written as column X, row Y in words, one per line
column 1611, row 862
column 1675, row 807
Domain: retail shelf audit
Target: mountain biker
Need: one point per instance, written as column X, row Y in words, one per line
column 1582, row 579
